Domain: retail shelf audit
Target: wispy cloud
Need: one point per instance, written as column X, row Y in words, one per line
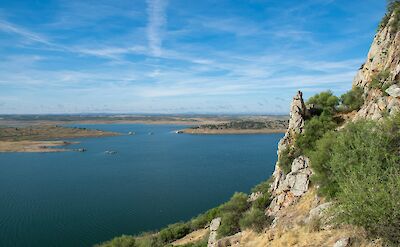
column 15, row 29
column 156, row 22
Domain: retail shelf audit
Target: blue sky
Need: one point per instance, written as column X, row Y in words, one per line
column 170, row 56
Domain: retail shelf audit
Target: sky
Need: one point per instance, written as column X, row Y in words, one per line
column 178, row 56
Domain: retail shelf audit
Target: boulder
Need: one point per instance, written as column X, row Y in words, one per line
column 343, row 242
column 233, row 240
column 254, row 196
column 393, row 91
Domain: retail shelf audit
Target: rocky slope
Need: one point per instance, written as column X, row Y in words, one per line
column 379, row 77
column 382, row 68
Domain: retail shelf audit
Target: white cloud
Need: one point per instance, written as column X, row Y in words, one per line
column 12, row 28
column 156, row 23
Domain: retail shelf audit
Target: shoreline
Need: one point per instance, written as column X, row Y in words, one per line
column 44, row 138
column 34, row 146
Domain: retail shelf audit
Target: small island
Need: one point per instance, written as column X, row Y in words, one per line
column 257, row 126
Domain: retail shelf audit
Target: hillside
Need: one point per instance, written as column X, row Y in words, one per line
column 337, row 179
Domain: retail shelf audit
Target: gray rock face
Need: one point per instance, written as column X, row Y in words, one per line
column 318, row 211
column 298, row 111
column 393, row 91
column 343, row 242
column 292, row 186
column 383, row 56
column 286, row 188
column 214, row 225
column 254, row 196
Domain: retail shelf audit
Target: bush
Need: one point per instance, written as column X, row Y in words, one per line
column 262, row 187
column 322, row 170
column 359, row 167
column 255, row 219
column 314, row 129
column 203, row 219
column 232, row 211
column 325, row 101
column 263, row 201
column 285, row 160
column 122, row 241
column 352, row 100
column 379, row 80
column 365, row 163
column 174, row 232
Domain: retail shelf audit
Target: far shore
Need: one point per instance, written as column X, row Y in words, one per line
column 43, row 138
column 33, row 146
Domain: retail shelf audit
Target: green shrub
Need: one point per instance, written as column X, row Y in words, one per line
column 365, row 163
column 393, row 5
column 255, row 219
column 203, row 219
column 232, row 212
column 325, row 101
column 285, row 160
column 314, row 129
column 262, row 187
column 352, row 100
column 359, row 167
column 122, row 241
column 263, row 201
column 322, row 170
column 379, row 80
column 174, row 232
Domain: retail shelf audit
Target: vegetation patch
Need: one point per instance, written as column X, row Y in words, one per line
column 352, row 100
column 359, row 167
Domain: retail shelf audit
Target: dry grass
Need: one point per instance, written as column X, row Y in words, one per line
column 31, row 146
column 192, row 237
column 291, row 230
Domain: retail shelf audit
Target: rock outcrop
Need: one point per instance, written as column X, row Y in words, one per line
column 214, row 225
column 382, row 67
column 287, row 188
column 293, row 186
column 298, row 112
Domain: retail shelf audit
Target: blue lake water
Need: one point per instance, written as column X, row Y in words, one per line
column 73, row 199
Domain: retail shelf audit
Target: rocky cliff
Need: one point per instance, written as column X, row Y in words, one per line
column 287, row 188
column 379, row 76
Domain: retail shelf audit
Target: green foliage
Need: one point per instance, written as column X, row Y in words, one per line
column 263, row 201
column 365, row 164
column 255, row 219
column 325, row 101
column 352, row 100
column 232, row 212
column 359, row 167
column 323, row 174
column 262, row 187
column 122, row 241
column 203, row 219
column 393, row 6
column 378, row 80
column 285, row 160
column 314, row 129
column 174, row 232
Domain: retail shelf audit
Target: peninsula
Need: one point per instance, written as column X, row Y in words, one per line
column 43, row 138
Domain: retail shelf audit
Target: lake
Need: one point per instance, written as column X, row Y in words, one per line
column 71, row 199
